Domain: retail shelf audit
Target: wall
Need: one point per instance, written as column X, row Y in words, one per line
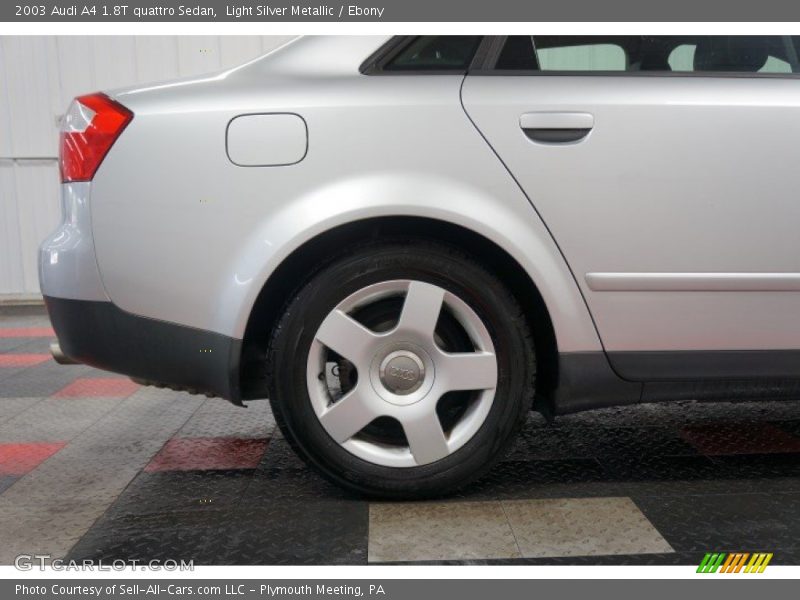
column 38, row 78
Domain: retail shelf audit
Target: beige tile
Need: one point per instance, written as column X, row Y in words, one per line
column 582, row 527
column 439, row 531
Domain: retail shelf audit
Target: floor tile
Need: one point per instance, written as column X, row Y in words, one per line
column 145, row 415
column 439, row 531
column 775, row 471
column 219, row 418
column 174, row 491
column 682, row 413
column 77, row 475
column 526, row 479
column 741, row 438
column 691, row 559
column 183, row 454
column 582, row 527
column 325, row 532
column 19, row 459
column 50, row 529
column 113, row 387
column 36, row 345
column 39, row 381
column 12, row 407
column 13, row 313
column 274, row 533
column 636, row 442
column 12, row 344
column 658, row 468
column 790, row 426
column 22, row 360
column 282, row 477
column 26, row 332
column 739, row 522
column 52, row 419
column 280, row 455
column 6, row 481
column 545, row 442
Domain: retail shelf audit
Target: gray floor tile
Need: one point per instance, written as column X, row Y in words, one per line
column 55, row 419
column 6, row 481
column 48, row 379
column 51, row 529
column 10, row 343
column 220, row 418
column 11, row 407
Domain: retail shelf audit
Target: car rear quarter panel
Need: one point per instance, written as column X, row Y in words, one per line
column 184, row 235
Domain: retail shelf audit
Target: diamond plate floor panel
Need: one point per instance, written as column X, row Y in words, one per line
column 216, row 419
column 22, row 360
column 753, row 522
column 187, row 454
column 19, row 459
column 7, row 481
column 104, row 387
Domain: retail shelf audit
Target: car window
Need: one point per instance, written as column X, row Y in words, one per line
column 434, row 53
column 586, row 57
column 683, row 54
column 682, row 59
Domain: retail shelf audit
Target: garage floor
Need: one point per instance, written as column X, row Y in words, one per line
column 93, row 466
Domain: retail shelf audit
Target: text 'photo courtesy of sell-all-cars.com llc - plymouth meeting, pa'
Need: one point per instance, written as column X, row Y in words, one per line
column 442, row 234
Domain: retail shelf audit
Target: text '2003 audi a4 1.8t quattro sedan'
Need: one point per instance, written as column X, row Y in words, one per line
column 407, row 243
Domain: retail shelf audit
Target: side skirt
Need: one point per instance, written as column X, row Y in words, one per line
column 587, row 380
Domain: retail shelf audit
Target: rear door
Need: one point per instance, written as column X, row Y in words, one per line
column 667, row 170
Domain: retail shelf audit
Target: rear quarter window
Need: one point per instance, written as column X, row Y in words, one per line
column 435, row 53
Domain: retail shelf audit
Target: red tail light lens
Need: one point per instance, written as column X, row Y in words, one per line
column 91, row 126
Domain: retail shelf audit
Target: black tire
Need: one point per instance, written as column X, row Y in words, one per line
column 353, row 270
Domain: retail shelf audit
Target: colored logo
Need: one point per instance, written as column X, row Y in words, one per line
column 734, row 562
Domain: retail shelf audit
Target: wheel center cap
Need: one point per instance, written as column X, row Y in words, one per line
column 402, row 372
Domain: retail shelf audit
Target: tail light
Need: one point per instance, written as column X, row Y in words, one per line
column 91, row 126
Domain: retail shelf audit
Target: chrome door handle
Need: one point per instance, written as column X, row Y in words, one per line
column 556, row 127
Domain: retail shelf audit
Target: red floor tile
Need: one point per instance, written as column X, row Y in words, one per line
column 22, row 360
column 19, row 459
column 745, row 438
column 110, row 387
column 203, row 454
column 24, row 332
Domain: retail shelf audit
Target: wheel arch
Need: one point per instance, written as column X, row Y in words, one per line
column 298, row 266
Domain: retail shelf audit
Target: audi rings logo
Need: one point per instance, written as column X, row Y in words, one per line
column 404, row 374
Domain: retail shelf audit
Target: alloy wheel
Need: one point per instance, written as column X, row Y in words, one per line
column 402, row 372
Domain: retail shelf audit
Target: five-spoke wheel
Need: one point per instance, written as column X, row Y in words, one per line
column 401, row 374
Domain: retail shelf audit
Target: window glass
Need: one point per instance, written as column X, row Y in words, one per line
column 585, row 57
column 775, row 65
column 436, row 52
column 682, row 59
column 699, row 54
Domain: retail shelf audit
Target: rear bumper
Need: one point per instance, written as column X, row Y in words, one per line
column 100, row 334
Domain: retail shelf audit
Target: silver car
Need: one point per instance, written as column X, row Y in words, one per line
column 407, row 243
